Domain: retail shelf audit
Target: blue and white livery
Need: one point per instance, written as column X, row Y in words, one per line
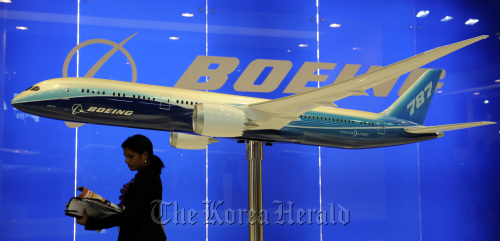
column 196, row 118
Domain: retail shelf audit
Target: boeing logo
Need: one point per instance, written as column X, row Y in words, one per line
column 77, row 108
column 247, row 81
column 110, row 111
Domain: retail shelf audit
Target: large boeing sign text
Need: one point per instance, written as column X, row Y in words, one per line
column 203, row 66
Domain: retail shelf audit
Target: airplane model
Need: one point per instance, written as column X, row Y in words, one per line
column 308, row 118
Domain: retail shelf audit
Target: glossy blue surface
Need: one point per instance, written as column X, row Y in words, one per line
column 443, row 189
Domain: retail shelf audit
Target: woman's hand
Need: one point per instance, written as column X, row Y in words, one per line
column 83, row 220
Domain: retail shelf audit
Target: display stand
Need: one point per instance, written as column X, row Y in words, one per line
column 254, row 156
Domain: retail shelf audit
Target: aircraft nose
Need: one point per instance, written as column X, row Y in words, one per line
column 19, row 99
column 16, row 99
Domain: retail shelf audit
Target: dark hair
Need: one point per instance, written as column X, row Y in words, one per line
column 141, row 144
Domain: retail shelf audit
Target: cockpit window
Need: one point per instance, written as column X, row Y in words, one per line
column 35, row 88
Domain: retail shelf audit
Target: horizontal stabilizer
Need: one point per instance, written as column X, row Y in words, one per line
column 443, row 128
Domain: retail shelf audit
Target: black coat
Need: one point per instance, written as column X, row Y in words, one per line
column 135, row 221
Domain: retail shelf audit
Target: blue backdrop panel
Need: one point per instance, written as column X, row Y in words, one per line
column 264, row 30
column 159, row 61
column 459, row 172
column 36, row 154
column 444, row 189
column 379, row 186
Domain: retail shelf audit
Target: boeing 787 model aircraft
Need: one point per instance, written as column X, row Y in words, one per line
column 196, row 118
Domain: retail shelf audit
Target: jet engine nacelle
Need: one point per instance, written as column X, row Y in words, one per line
column 190, row 142
column 218, row 120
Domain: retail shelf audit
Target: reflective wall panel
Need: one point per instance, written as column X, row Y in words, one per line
column 36, row 154
column 443, row 189
column 160, row 59
column 463, row 165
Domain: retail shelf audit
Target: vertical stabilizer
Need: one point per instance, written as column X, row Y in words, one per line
column 414, row 103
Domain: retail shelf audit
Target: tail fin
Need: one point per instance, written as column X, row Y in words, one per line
column 414, row 103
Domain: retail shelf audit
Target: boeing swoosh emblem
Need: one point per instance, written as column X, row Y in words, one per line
column 77, row 108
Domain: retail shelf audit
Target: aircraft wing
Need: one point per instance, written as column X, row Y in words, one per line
column 275, row 114
column 443, row 128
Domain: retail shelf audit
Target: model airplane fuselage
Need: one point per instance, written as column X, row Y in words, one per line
column 300, row 118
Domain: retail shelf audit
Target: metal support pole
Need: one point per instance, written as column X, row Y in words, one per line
column 254, row 156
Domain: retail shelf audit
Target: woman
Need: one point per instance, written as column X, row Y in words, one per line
column 136, row 222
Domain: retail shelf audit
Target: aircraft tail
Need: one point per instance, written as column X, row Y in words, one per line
column 414, row 103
